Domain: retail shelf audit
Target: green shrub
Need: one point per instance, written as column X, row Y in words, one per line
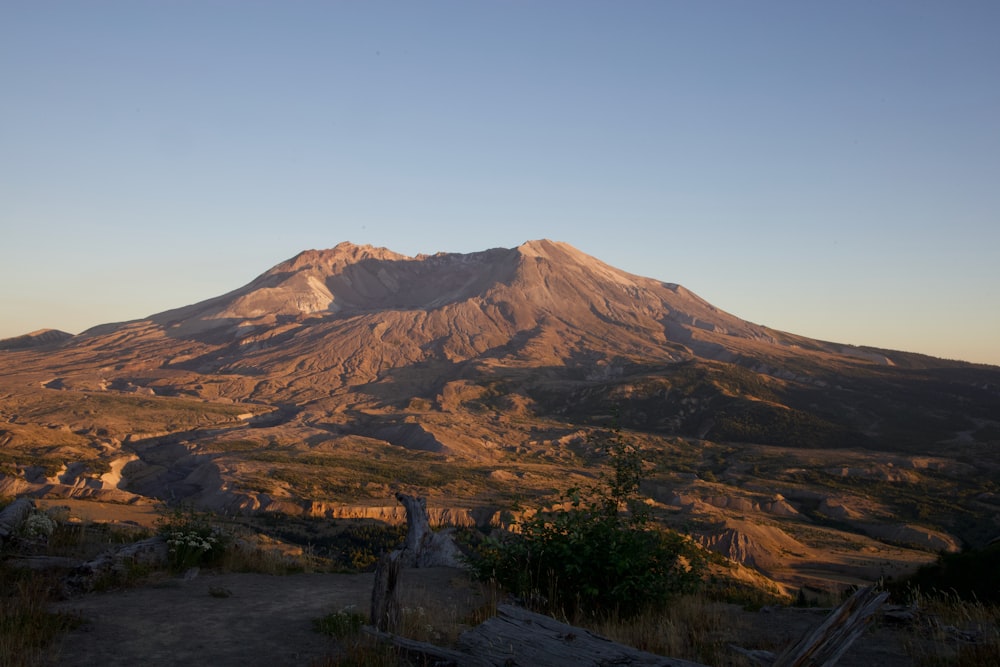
column 598, row 555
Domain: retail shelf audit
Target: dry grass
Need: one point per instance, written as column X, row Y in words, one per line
column 256, row 553
column 27, row 628
column 692, row 627
column 952, row 631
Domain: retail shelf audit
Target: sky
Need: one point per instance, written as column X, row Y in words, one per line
column 830, row 169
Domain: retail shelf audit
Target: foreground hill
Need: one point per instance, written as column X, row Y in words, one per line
column 341, row 375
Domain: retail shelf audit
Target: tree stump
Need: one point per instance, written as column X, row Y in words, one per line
column 386, row 614
column 424, row 547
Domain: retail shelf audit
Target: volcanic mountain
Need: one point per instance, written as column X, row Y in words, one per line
column 343, row 374
column 347, row 316
column 366, row 327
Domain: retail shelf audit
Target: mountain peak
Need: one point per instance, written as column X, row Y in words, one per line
column 35, row 339
column 340, row 255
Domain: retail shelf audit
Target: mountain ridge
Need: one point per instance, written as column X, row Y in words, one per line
column 359, row 279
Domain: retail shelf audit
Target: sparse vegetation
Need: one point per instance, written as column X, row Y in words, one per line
column 27, row 627
column 953, row 631
column 598, row 554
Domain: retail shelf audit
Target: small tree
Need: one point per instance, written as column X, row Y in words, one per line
column 598, row 555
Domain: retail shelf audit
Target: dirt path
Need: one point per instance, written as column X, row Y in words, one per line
column 267, row 620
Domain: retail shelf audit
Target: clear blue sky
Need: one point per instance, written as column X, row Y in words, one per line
column 826, row 168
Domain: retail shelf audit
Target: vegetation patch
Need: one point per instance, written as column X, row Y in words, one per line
column 599, row 554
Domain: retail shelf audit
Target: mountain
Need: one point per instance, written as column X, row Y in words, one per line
column 341, row 375
column 35, row 339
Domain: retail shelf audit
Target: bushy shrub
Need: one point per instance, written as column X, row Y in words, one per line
column 598, row 554
column 38, row 526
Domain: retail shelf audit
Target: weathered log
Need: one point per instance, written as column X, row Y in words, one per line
column 825, row 645
column 424, row 547
column 12, row 516
column 516, row 636
column 519, row 637
column 115, row 562
column 386, row 614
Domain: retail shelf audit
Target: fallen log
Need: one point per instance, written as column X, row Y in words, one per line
column 517, row 636
column 113, row 563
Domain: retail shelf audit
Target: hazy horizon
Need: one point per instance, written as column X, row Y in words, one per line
column 826, row 170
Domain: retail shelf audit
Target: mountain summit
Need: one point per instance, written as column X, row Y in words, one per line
column 541, row 301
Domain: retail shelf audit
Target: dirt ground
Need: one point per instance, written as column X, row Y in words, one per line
column 266, row 620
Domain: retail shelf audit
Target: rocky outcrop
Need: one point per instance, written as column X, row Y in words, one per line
column 734, row 545
column 754, row 545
